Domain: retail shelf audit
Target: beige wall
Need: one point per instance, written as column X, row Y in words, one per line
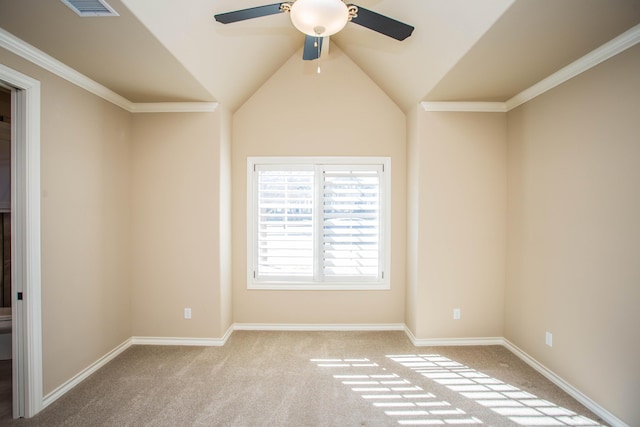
column 574, row 242
column 176, row 225
column 459, row 220
column 85, row 208
column 118, row 191
column 145, row 215
column 340, row 112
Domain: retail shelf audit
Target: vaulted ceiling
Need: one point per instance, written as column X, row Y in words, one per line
column 461, row 50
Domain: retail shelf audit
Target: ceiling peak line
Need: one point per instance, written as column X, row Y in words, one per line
column 37, row 57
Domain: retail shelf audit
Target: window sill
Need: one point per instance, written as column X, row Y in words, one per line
column 328, row 286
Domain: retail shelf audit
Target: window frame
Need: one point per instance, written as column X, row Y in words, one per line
column 381, row 282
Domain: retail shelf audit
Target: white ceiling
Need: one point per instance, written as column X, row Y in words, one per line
column 464, row 50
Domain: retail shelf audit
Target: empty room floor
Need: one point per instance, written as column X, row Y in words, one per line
column 314, row 379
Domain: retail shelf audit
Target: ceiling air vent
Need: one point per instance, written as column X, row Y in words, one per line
column 90, row 7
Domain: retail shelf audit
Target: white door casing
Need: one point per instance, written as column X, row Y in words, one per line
column 25, row 242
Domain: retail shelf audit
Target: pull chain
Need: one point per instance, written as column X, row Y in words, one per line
column 318, row 30
column 318, row 46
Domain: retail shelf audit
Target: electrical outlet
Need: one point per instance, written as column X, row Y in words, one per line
column 456, row 314
column 187, row 313
column 548, row 339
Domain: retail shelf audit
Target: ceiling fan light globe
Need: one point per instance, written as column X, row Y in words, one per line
column 310, row 15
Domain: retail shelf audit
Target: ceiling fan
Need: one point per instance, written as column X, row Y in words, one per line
column 322, row 18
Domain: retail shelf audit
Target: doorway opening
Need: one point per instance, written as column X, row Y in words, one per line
column 6, row 375
column 24, row 247
column 5, row 200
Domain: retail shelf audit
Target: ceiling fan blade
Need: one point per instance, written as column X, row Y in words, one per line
column 252, row 12
column 311, row 50
column 382, row 24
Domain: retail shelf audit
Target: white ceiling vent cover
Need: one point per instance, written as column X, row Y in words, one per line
column 91, row 7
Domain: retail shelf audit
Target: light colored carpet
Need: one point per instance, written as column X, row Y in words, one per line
column 314, row 379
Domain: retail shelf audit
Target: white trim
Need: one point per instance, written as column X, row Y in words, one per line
column 312, row 286
column 26, row 272
column 317, row 282
column 206, row 342
column 550, row 375
column 201, row 342
column 174, row 107
column 465, row 107
column 82, row 375
column 568, row 388
column 608, row 50
column 617, row 45
column 318, row 327
column 34, row 55
column 439, row 342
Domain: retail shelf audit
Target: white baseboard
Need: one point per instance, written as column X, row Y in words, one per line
column 440, row 342
column 318, row 327
column 82, row 375
column 205, row 342
column 568, row 388
column 418, row 342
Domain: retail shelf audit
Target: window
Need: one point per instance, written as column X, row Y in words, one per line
column 318, row 223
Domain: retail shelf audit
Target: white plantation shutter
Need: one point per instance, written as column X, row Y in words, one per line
column 317, row 225
column 351, row 222
column 285, row 223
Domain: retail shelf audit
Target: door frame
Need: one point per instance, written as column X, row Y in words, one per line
column 25, row 242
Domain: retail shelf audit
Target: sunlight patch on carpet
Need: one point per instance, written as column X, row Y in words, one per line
column 519, row 406
column 407, row 403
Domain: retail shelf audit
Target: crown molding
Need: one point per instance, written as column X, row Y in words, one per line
column 174, row 107
column 608, row 50
column 34, row 55
column 465, row 107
